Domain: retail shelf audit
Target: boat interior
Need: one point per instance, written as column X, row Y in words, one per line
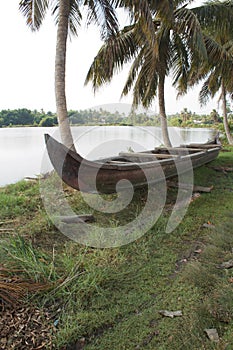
column 159, row 153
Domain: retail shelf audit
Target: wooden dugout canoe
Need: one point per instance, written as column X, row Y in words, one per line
column 140, row 169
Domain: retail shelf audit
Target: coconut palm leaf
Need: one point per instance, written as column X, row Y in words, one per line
column 103, row 14
column 148, row 63
column 180, row 61
column 188, row 26
column 220, row 63
column 142, row 12
column 209, row 88
column 142, row 86
column 13, row 288
column 34, row 11
column 133, row 72
column 216, row 15
column 112, row 56
column 199, row 70
column 75, row 15
column 215, row 51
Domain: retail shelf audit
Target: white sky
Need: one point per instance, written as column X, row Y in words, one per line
column 27, row 68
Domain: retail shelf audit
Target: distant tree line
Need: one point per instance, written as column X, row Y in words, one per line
column 186, row 118
column 26, row 117
column 90, row 116
column 101, row 117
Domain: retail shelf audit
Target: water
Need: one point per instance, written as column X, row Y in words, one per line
column 23, row 153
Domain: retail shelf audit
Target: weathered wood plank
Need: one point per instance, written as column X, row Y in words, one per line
column 6, row 222
column 206, row 225
column 116, row 162
column 202, row 189
column 183, row 148
column 6, row 229
column 204, row 146
column 77, row 219
column 195, row 188
column 146, row 155
column 221, row 168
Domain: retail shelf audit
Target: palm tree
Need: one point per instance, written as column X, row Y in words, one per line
column 217, row 79
column 68, row 17
column 217, row 74
column 185, row 114
column 176, row 42
column 214, row 116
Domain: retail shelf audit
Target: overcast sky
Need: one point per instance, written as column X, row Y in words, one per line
column 27, row 68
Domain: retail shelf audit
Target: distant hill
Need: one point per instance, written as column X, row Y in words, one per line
column 122, row 108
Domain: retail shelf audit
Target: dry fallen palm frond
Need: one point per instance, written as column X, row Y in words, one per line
column 14, row 288
column 23, row 326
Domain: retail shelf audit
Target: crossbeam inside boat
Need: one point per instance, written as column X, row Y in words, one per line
column 139, row 157
column 181, row 151
column 151, row 155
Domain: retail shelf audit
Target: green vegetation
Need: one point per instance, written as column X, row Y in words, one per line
column 185, row 118
column 104, row 117
column 111, row 298
column 26, row 117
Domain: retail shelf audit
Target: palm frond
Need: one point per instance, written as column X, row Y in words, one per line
column 145, row 87
column 133, row 72
column 216, row 52
column 142, row 14
column 180, row 62
column 227, row 74
column 188, row 26
column 145, row 69
column 163, row 9
column 34, row 11
column 197, row 73
column 111, row 57
column 211, row 86
column 163, row 48
column 13, row 288
column 214, row 80
column 216, row 16
column 151, row 91
column 228, row 46
column 102, row 13
column 204, row 94
column 156, row 61
column 75, row 15
column 182, row 3
column 144, row 90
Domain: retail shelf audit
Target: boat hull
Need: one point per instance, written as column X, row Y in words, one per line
column 119, row 173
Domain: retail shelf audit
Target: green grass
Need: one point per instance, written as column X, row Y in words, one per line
column 110, row 298
column 18, row 200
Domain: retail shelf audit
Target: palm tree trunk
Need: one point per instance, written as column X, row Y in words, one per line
column 225, row 121
column 162, row 111
column 60, row 72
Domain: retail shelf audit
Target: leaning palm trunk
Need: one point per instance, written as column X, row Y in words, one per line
column 225, row 121
column 60, row 69
column 162, row 112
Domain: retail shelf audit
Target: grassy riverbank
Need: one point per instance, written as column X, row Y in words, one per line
column 105, row 299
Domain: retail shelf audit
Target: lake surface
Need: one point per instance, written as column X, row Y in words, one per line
column 23, row 153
